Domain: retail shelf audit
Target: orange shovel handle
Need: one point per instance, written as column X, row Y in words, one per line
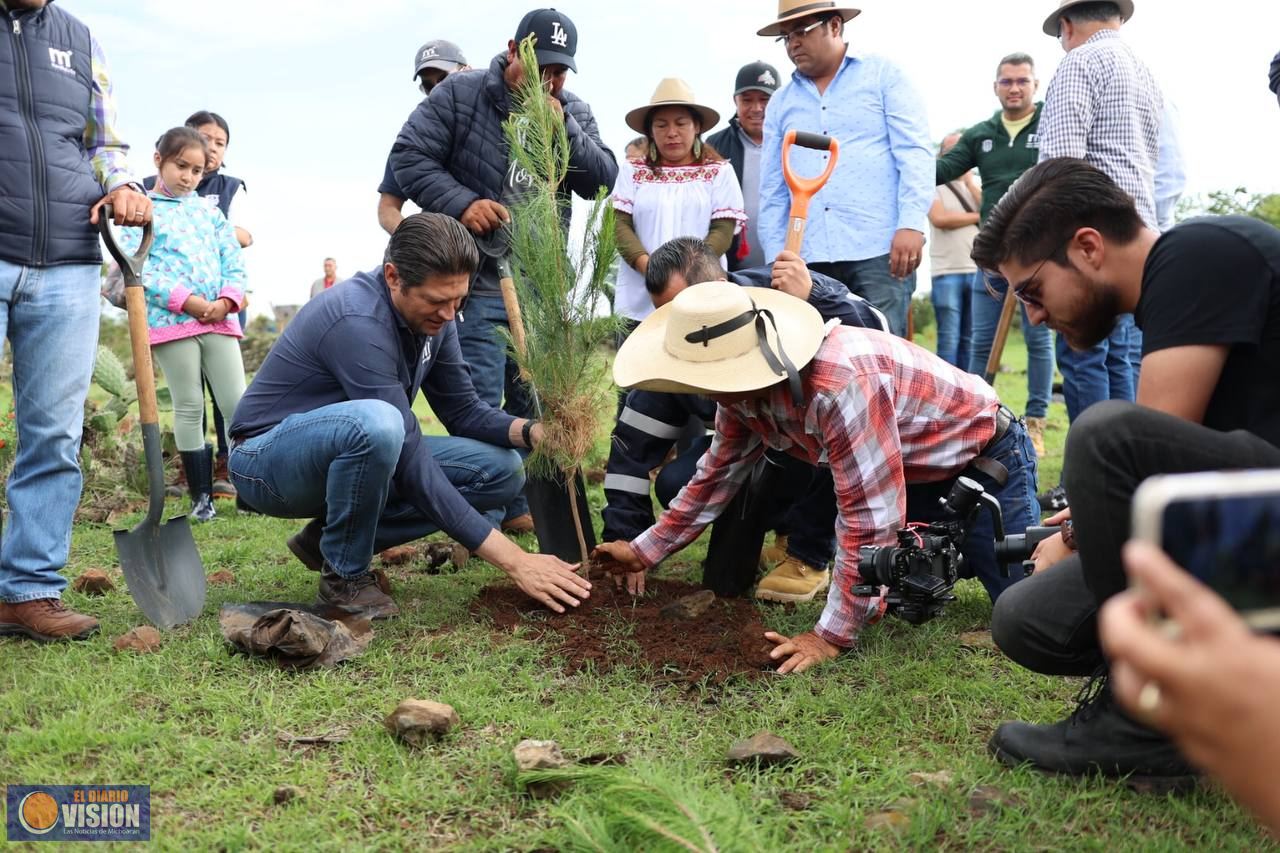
column 804, row 189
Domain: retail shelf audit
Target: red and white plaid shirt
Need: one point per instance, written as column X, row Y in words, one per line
column 880, row 412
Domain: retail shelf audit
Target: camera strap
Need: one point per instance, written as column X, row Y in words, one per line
column 989, row 467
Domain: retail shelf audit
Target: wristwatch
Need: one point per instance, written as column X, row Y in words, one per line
column 1069, row 535
column 526, row 433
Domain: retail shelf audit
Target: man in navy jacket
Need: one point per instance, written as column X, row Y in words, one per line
column 327, row 430
column 451, row 157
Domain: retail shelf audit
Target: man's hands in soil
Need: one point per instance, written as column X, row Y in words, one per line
column 484, row 215
column 621, row 562
column 801, row 651
column 542, row 577
column 791, row 276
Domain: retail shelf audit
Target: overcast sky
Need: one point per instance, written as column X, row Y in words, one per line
column 315, row 90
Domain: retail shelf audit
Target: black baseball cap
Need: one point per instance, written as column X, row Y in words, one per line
column 438, row 53
column 1275, row 76
column 556, row 38
column 756, row 77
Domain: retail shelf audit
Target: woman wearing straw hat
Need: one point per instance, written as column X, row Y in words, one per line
column 680, row 188
column 894, row 423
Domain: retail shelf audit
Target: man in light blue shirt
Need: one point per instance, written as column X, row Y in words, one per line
column 866, row 227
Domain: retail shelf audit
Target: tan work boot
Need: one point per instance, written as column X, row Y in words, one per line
column 1035, row 430
column 792, row 580
column 361, row 594
column 773, row 554
column 305, row 545
column 46, row 620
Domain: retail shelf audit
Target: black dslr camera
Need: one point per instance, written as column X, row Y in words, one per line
column 1020, row 547
column 923, row 568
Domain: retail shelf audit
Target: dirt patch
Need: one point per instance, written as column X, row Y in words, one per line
column 613, row 629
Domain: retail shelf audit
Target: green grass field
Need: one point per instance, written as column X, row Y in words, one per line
column 210, row 732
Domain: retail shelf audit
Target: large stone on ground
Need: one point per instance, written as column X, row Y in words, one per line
column 418, row 722
column 762, row 749
column 541, row 755
column 93, row 582
column 690, row 606
column 143, row 639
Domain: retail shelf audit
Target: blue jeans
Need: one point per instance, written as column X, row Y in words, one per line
column 1018, row 505
column 953, row 311
column 50, row 316
column 1108, row 371
column 870, row 279
column 493, row 371
column 1039, row 341
column 336, row 463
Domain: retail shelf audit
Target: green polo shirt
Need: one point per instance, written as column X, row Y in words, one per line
column 999, row 159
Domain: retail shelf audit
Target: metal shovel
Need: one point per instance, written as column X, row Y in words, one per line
column 160, row 562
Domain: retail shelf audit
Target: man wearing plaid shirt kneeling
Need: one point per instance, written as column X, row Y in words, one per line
column 895, row 424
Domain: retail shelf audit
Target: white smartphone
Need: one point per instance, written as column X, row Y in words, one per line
column 1224, row 528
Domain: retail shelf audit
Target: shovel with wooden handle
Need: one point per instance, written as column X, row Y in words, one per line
column 550, row 498
column 1002, row 335
column 160, row 562
column 804, row 189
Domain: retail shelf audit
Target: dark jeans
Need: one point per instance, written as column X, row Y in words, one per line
column 1048, row 623
column 870, row 279
column 1108, row 371
column 801, row 500
column 1018, row 505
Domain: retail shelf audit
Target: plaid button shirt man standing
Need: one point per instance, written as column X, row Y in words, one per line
column 1105, row 107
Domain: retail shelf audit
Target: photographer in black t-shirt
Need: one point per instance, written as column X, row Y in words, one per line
column 1206, row 295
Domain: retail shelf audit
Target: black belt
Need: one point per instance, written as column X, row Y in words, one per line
column 1005, row 418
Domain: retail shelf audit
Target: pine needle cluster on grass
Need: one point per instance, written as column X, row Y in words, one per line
column 558, row 287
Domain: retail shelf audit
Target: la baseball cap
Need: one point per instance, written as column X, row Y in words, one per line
column 556, row 38
column 756, row 77
column 438, row 53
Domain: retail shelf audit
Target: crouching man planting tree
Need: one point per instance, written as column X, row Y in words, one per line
column 895, row 424
column 326, row 431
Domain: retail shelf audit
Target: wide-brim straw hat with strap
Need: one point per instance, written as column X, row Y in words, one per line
column 1051, row 22
column 672, row 92
column 790, row 10
column 721, row 338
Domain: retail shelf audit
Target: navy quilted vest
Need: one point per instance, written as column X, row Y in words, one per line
column 46, row 181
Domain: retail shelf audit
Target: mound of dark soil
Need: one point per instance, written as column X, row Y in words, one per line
column 613, row 629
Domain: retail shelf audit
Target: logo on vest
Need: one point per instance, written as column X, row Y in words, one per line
column 558, row 36
column 1033, row 141
column 60, row 59
column 987, row 145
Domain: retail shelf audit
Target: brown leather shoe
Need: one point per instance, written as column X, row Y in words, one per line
column 222, row 485
column 305, row 545
column 357, row 595
column 46, row 620
column 518, row 524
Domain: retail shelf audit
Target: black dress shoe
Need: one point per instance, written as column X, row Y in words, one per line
column 359, row 595
column 1097, row 738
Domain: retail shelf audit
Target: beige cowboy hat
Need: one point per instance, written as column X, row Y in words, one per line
column 672, row 92
column 1051, row 22
column 708, row 341
column 790, row 10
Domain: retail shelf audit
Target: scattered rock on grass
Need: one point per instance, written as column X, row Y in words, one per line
column 894, row 820
column 222, row 577
column 384, row 582
column 541, row 755
column 398, row 556
column 986, row 799
column 941, row 779
column 978, row 641
column 796, row 801
column 286, row 794
column 691, row 606
column 93, row 582
column 762, row 749
column 418, row 722
column 142, row 639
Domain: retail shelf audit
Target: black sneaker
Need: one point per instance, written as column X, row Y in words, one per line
column 359, row 595
column 1054, row 500
column 1097, row 738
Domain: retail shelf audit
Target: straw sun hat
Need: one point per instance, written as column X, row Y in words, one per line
column 790, row 10
column 1051, row 22
column 672, row 92
column 720, row 338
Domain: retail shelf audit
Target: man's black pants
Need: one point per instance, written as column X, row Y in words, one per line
column 1048, row 623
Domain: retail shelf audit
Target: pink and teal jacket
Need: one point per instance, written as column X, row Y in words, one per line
column 195, row 252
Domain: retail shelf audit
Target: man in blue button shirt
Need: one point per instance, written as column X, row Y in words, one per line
column 327, row 430
column 866, row 227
